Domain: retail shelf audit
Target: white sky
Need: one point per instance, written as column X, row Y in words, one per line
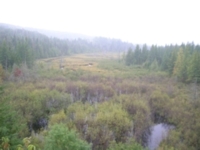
column 137, row 21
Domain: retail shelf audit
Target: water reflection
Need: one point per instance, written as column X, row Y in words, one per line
column 158, row 133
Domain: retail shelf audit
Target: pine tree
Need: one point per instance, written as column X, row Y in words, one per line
column 180, row 70
column 5, row 55
column 24, row 53
column 1, row 73
column 152, row 53
column 171, row 62
column 144, row 53
column 137, row 55
column 194, row 68
column 129, row 57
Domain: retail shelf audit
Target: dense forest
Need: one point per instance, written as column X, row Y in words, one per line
column 181, row 61
column 23, row 46
column 100, row 94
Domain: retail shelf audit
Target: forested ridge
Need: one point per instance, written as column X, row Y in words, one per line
column 103, row 94
column 18, row 45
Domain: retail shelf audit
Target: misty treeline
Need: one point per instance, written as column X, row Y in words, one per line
column 22, row 46
column 180, row 61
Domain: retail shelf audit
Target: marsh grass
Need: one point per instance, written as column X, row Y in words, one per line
column 103, row 64
column 86, row 91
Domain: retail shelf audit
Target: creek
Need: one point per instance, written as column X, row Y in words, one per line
column 158, row 133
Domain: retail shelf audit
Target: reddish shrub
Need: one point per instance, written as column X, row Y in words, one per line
column 18, row 72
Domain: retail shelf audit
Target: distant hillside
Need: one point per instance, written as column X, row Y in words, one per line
column 19, row 45
column 61, row 35
column 50, row 33
column 44, row 44
column 76, row 42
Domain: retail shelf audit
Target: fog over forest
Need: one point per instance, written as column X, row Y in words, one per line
column 151, row 22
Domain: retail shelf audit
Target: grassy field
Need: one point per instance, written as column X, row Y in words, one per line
column 106, row 64
column 88, row 62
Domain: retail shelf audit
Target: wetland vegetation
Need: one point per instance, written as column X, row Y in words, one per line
column 97, row 99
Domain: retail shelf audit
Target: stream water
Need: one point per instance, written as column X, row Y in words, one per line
column 158, row 133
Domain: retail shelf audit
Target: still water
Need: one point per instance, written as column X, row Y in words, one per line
column 158, row 133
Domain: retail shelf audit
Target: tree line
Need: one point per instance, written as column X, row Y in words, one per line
column 22, row 46
column 180, row 61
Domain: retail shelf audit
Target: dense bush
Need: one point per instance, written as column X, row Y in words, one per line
column 61, row 138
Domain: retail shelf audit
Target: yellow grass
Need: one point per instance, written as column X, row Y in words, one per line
column 87, row 62
column 95, row 63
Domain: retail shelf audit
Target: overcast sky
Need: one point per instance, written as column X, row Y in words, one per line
column 136, row 21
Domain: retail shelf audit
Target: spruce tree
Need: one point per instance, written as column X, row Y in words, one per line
column 180, row 70
column 194, row 68
column 10, row 124
column 137, row 55
column 129, row 57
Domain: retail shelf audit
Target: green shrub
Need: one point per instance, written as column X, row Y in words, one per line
column 132, row 145
column 61, row 138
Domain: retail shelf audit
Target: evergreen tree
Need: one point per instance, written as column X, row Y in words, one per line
column 5, row 55
column 144, row 53
column 1, row 73
column 152, row 54
column 194, row 68
column 164, row 62
column 171, row 62
column 10, row 124
column 137, row 55
column 24, row 54
column 180, row 70
column 129, row 57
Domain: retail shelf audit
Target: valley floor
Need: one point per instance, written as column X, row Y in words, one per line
column 106, row 104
